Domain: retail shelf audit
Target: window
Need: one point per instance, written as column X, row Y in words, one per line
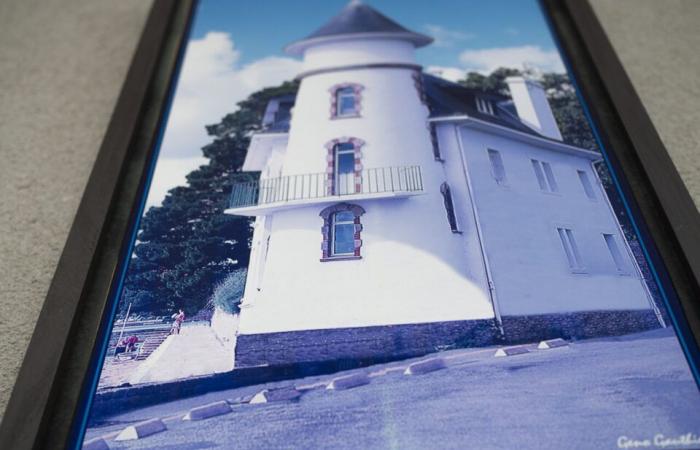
column 586, row 183
column 484, row 106
column 344, row 169
column 341, row 232
column 344, row 166
column 614, row 252
column 545, row 176
column 497, row 169
column 345, row 100
column 449, row 207
column 573, row 255
column 435, row 143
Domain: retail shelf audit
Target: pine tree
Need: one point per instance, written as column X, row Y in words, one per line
column 188, row 245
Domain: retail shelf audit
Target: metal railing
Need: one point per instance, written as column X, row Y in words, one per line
column 322, row 185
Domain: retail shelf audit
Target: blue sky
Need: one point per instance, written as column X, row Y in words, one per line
column 236, row 48
column 262, row 28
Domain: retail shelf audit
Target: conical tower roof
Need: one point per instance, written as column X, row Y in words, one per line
column 358, row 20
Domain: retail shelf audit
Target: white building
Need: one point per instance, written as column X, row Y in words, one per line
column 397, row 212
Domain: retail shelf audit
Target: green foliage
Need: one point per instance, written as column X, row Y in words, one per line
column 188, row 245
column 228, row 294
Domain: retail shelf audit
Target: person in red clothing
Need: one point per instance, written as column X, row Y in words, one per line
column 130, row 343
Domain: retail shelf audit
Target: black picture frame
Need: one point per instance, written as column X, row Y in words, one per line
column 46, row 398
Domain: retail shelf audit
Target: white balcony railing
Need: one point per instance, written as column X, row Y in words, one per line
column 320, row 186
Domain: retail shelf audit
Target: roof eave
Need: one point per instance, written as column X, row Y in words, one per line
column 466, row 120
column 418, row 40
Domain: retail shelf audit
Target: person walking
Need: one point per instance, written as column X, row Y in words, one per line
column 178, row 318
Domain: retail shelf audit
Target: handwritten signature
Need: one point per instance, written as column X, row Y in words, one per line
column 660, row 441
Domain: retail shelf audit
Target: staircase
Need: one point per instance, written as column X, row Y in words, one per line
column 195, row 351
column 152, row 342
column 150, row 337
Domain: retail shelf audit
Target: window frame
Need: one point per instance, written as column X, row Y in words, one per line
column 545, row 176
column 586, row 184
column 335, row 100
column 328, row 231
column 485, row 106
column 448, row 202
column 621, row 266
column 572, row 251
column 333, row 234
column 331, row 164
column 503, row 180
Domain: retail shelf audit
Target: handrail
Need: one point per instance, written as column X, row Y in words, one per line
column 323, row 185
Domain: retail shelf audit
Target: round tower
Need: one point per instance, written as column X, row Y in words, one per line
column 361, row 247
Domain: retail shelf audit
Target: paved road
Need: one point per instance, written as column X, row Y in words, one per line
column 582, row 397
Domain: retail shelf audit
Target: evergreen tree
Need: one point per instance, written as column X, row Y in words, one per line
column 188, row 245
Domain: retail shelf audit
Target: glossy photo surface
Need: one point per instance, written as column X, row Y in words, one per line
column 381, row 224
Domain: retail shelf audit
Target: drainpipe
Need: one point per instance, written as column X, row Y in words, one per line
column 638, row 269
column 479, row 235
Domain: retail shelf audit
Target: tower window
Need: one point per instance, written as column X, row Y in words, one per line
column 586, row 183
column 346, row 100
column 341, row 232
column 484, row 106
column 497, row 169
column 545, row 176
column 344, row 169
column 571, row 250
column 449, row 207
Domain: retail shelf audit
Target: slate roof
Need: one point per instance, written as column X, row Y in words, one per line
column 446, row 98
column 359, row 19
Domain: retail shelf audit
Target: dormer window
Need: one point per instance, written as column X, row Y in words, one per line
column 346, row 100
column 484, row 106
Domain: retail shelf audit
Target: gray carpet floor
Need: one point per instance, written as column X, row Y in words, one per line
column 62, row 63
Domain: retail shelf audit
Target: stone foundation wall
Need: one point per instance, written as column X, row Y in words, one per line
column 365, row 345
column 580, row 325
column 371, row 344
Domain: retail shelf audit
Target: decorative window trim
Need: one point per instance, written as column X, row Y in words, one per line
column 330, row 162
column 357, row 88
column 449, row 207
column 327, row 214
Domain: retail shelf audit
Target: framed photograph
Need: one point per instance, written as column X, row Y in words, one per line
column 372, row 224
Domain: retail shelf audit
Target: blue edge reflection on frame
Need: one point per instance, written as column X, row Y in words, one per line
column 83, row 410
column 82, row 413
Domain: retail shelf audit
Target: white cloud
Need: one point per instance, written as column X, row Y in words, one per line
column 445, row 37
column 511, row 31
column 523, row 57
column 448, row 73
column 211, row 84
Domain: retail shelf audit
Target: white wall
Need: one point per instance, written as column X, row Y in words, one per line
column 363, row 51
column 529, row 266
column 413, row 268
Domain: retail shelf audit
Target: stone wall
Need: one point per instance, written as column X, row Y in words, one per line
column 378, row 343
column 393, row 342
column 580, row 325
